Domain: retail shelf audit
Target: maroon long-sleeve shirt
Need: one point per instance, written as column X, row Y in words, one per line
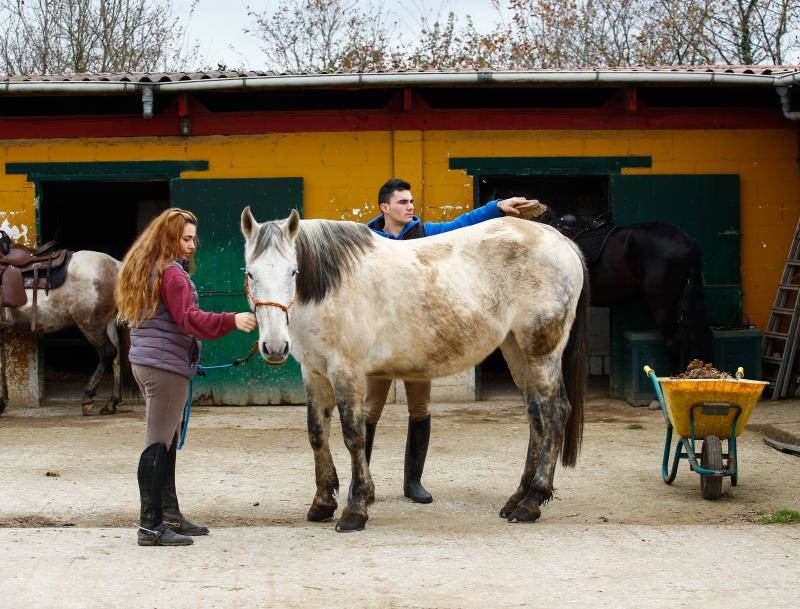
column 178, row 296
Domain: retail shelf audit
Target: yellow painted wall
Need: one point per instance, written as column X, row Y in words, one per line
column 342, row 172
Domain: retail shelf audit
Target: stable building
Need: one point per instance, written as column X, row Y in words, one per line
column 88, row 159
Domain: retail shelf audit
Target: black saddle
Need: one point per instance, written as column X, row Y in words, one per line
column 591, row 237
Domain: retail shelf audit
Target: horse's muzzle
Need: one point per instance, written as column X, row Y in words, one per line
column 275, row 358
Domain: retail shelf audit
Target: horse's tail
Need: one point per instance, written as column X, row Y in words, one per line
column 695, row 334
column 575, row 368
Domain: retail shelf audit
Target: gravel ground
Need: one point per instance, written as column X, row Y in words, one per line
column 614, row 536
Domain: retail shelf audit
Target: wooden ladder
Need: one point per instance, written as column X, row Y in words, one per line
column 781, row 335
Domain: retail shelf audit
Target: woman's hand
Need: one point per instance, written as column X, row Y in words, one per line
column 246, row 322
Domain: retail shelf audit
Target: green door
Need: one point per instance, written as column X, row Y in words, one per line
column 219, row 279
column 707, row 208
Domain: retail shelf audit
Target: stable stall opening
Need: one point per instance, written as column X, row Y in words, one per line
column 100, row 216
column 586, row 197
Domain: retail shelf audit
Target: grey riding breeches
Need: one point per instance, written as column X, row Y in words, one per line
column 165, row 395
column 418, row 394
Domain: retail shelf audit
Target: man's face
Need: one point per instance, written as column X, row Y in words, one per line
column 400, row 208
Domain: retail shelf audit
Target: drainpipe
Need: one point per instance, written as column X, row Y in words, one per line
column 147, row 102
column 786, row 102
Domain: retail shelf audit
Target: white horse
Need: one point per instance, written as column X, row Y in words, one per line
column 85, row 300
column 417, row 310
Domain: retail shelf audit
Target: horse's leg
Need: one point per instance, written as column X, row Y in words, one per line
column 516, row 365
column 319, row 409
column 105, row 350
column 112, row 332
column 548, row 409
column 349, row 393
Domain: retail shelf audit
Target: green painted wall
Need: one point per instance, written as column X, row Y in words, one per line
column 220, row 282
column 707, row 208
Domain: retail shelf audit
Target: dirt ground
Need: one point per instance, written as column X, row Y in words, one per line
column 614, row 536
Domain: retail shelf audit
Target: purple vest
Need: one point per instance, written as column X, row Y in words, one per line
column 160, row 343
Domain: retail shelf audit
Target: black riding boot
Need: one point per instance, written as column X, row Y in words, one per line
column 169, row 499
column 368, row 441
column 152, row 530
column 419, row 433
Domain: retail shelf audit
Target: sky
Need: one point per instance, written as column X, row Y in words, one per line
column 217, row 24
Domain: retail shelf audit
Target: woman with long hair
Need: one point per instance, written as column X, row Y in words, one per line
column 158, row 301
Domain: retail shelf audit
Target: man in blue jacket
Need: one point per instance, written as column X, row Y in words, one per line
column 397, row 221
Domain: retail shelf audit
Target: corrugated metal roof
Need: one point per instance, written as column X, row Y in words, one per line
column 171, row 77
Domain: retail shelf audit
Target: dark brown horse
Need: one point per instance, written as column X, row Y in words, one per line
column 653, row 262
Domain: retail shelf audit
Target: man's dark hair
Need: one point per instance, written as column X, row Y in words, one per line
column 385, row 193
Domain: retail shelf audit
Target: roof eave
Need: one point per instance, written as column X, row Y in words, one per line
column 402, row 79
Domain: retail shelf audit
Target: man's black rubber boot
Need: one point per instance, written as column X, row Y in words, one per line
column 152, row 530
column 419, row 434
column 368, row 441
column 169, row 499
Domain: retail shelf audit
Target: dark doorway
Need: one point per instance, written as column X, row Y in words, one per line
column 100, row 216
column 586, row 197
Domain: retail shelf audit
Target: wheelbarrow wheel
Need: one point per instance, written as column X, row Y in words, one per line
column 711, row 458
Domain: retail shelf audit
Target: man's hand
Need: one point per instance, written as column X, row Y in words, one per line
column 245, row 321
column 512, row 205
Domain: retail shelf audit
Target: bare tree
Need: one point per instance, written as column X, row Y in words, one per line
column 323, row 36
column 751, row 31
column 674, row 34
column 64, row 36
column 452, row 43
column 553, row 33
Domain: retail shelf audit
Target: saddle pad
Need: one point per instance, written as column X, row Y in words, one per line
column 593, row 241
column 57, row 275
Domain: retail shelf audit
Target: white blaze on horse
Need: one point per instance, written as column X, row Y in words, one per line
column 418, row 310
column 85, row 300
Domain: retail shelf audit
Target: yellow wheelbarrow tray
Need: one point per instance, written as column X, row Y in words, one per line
column 709, row 410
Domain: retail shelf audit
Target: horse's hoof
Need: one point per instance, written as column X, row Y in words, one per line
column 110, row 408
column 351, row 521
column 525, row 513
column 509, row 507
column 86, row 409
column 317, row 513
column 2, row 406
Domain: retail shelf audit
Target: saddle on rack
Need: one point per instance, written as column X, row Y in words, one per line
column 22, row 267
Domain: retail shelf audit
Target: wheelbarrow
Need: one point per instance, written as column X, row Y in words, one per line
column 711, row 410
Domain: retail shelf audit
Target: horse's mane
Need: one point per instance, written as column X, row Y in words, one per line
column 326, row 251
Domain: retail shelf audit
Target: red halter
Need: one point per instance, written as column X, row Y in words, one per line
column 260, row 303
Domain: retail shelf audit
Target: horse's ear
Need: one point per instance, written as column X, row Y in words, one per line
column 248, row 223
column 292, row 224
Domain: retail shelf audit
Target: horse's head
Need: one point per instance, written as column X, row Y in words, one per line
column 567, row 225
column 270, row 271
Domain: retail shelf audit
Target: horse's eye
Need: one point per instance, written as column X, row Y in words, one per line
column 249, row 274
column 294, row 272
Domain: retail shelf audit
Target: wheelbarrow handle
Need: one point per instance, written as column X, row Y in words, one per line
column 651, row 374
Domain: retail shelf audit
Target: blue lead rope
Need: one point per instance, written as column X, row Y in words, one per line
column 187, row 411
column 201, row 370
